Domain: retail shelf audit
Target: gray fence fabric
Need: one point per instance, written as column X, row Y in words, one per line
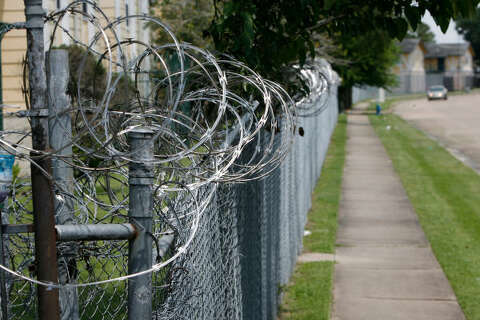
column 364, row 93
column 243, row 252
column 251, row 235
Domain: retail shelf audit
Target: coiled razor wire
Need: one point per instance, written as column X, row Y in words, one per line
column 203, row 110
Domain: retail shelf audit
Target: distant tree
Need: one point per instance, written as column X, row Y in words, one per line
column 422, row 32
column 272, row 36
column 188, row 20
column 470, row 29
column 370, row 58
column 92, row 84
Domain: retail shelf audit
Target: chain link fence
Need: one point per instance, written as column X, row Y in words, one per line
column 251, row 235
column 244, row 251
column 132, row 210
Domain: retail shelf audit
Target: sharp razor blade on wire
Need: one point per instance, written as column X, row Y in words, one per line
column 202, row 110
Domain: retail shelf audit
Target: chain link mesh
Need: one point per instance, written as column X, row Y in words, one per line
column 244, row 251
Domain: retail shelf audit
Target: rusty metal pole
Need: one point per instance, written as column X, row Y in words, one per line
column 140, row 214
column 42, row 189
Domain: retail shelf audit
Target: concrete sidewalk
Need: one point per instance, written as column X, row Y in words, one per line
column 385, row 267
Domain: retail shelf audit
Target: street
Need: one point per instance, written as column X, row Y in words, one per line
column 454, row 123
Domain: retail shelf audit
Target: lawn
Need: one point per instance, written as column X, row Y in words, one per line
column 309, row 293
column 444, row 194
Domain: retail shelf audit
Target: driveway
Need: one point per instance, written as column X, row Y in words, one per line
column 454, row 123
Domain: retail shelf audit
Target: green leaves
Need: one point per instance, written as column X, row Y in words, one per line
column 328, row 4
column 397, row 28
column 470, row 29
column 413, row 15
column 370, row 58
column 273, row 35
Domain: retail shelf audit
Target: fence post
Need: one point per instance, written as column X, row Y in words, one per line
column 141, row 215
column 42, row 189
column 60, row 130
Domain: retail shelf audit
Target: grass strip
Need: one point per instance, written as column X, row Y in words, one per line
column 309, row 298
column 309, row 293
column 322, row 218
column 444, row 193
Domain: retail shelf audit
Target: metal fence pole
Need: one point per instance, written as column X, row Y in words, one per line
column 141, row 215
column 42, row 190
column 60, row 130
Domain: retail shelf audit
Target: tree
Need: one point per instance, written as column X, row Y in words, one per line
column 470, row 29
column 422, row 32
column 273, row 35
column 188, row 20
column 367, row 64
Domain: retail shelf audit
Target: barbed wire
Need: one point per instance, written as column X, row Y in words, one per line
column 203, row 110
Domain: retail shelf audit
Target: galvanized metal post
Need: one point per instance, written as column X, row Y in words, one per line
column 141, row 215
column 60, row 132
column 42, row 189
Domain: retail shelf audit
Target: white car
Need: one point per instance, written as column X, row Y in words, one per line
column 437, row 92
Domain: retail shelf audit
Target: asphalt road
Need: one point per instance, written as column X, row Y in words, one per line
column 454, row 123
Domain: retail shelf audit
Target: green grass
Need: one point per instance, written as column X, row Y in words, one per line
column 322, row 218
column 309, row 294
column 445, row 195
column 390, row 101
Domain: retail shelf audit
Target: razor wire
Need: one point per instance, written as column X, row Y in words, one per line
column 204, row 111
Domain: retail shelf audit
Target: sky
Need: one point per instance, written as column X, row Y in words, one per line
column 451, row 36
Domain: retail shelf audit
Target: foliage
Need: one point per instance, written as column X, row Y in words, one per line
column 422, row 32
column 16, row 171
column 272, row 35
column 370, row 57
column 92, row 74
column 369, row 64
column 470, row 29
column 188, row 20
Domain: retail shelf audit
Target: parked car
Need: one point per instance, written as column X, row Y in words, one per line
column 437, row 92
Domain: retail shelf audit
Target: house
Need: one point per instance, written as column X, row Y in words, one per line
column 410, row 68
column 450, row 64
column 13, row 45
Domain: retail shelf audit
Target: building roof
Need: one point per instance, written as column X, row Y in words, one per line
column 408, row 45
column 443, row 50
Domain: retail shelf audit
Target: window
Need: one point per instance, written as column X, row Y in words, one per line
column 84, row 7
column 441, row 65
column 59, row 4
